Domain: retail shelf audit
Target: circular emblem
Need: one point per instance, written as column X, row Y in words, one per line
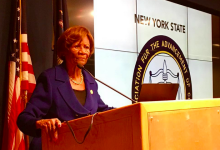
column 162, row 46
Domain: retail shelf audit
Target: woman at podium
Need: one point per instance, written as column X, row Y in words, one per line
column 64, row 92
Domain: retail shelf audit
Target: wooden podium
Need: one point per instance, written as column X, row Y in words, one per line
column 166, row 125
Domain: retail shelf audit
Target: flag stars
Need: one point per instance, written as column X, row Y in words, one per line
column 18, row 18
column 61, row 23
column 18, row 9
column 13, row 54
column 17, row 50
column 61, row 12
column 15, row 40
column 18, row 69
column 18, row 59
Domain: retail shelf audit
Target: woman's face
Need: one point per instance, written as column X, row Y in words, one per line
column 79, row 52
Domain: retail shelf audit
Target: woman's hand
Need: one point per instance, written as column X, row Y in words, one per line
column 50, row 126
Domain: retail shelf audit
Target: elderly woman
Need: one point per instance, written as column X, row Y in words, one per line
column 64, row 92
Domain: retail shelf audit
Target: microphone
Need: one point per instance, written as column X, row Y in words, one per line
column 82, row 67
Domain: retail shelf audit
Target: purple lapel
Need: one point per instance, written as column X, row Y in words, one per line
column 89, row 81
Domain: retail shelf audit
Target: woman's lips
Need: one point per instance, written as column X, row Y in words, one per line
column 80, row 58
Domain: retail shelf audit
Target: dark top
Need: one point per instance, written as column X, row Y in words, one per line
column 81, row 96
column 53, row 97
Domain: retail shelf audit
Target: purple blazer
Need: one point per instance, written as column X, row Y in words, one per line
column 53, row 97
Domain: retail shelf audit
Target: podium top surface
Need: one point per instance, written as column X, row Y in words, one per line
column 180, row 104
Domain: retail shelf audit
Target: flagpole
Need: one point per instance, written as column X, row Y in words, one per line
column 26, row 137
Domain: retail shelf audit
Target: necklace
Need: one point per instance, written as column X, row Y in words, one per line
column 78, row 83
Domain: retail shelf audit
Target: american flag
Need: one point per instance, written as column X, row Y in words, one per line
column 21, row 79
column 60, row 24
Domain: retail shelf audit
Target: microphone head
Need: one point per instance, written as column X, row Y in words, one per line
column 80, row 66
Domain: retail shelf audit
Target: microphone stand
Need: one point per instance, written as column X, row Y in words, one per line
column 82, row 67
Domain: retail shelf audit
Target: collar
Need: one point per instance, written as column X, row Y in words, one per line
column 62, row 75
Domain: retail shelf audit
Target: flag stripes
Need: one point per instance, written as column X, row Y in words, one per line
column 28, row 79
